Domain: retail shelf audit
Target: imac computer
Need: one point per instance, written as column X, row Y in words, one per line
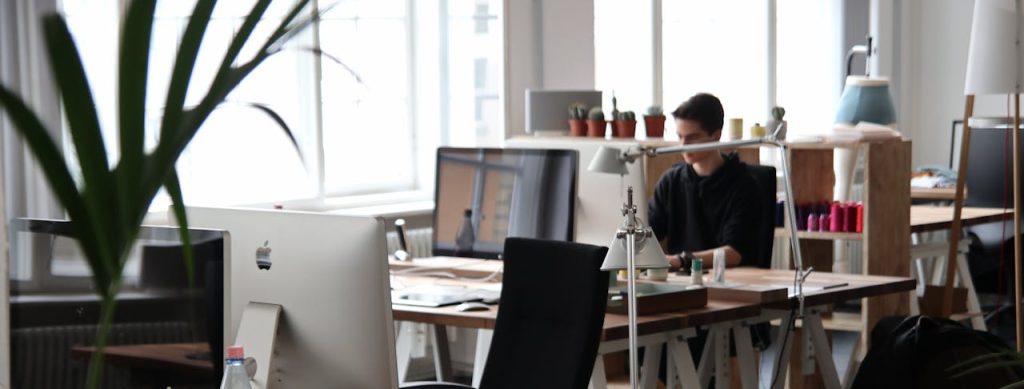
column 54, row 310
column 600, row 196
column 328, row 274
column 499, row 193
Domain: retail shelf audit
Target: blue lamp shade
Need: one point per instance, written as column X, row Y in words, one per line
column 866, row 100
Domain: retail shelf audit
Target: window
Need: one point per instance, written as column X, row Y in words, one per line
column 423, row 74
column 721, row 48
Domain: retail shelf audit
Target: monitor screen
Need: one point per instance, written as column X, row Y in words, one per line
column 482, row 196
column 54, row 311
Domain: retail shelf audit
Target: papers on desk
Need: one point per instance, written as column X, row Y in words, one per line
column 441, row 295
column 810, row 288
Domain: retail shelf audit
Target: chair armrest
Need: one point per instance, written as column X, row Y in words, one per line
column 433, row 385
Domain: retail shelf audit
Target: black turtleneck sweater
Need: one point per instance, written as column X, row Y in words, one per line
column 695, row 213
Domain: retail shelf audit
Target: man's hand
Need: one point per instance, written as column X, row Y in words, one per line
column 673, row 262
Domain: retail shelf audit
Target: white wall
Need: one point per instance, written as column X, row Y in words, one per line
column 934, row 39
column 549, row 44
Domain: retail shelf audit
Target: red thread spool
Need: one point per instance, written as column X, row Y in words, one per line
column 850, row 213
column 860, row 218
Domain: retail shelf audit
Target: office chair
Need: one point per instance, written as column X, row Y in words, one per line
column 766, row 181
column 553, row 300
column 989, row 185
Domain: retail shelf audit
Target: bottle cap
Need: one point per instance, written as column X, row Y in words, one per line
column 236, row 352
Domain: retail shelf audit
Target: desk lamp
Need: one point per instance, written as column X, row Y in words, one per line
column 994, row 67
column 634, row 246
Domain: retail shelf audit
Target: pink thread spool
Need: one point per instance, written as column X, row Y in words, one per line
column 836, row 218
column 823, row 222
column 812, row 222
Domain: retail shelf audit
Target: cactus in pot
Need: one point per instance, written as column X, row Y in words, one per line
column 577, row 119
column 596, row 123
column 654, row 122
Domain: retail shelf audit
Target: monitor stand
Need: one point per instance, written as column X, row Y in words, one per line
column 257, row 331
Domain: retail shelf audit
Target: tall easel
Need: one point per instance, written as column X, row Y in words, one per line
column 954, row 234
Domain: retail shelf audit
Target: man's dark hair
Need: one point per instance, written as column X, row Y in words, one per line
column 703, row 108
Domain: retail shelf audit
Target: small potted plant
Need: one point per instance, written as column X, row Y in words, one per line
column 777, row 114
column 596, row 123
column 615, row 115
column 654, row 121
column 625, row 125
column 578, row 120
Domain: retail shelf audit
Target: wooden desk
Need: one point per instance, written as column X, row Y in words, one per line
column 820, row 291
column 652, row 330
column 460, row 267
column 924, row 218
column 158, row 365
column 947, row 194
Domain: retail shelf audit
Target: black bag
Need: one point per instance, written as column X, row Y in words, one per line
column 918, row 352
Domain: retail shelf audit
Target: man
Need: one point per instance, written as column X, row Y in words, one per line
column 710, row 201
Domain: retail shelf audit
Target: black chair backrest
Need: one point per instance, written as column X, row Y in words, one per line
column 764, row 176
column 989, row 168
column 553, row 301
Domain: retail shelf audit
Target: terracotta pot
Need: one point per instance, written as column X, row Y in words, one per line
column 577, row 127
column 655, row 126
column 595, row 128
column 625, row 128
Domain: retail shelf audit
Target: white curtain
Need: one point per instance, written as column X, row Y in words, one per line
column 24, row 68
column 23, row 189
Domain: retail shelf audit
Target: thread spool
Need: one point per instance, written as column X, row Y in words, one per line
column 860, row 217
column 735, row 128
column 836, row 220
column 812, row 222
column 851, row 216
column 823, row 222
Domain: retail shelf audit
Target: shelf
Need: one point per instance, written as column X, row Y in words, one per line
column 782, row 232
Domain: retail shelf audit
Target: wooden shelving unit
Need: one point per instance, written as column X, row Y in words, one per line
column 824, row 235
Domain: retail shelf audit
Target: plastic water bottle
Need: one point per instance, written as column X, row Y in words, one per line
column 235, row 376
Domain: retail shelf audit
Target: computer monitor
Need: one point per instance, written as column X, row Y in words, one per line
column 598, row 211
column 54, row 311
column 329, row 274
column 989, row 168
column 509, row 193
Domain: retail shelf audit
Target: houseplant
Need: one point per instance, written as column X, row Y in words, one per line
column 654, row 122
column 107, row 205
column 625, row 125
column 596, row 123
column 577, row 120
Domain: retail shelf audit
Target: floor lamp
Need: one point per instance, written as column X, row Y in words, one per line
column 994, row 67
column 634, row 245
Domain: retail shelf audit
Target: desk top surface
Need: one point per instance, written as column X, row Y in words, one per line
column 840, row 287
column 925, row 218
column 615, row 325
column 820, row 288
column 933, row 193
column 169, row 357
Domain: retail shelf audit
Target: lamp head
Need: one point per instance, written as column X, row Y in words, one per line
column 648, row 252
column 994, row 59
column 609, row 160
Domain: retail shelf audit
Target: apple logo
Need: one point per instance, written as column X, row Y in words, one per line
column 263, row 256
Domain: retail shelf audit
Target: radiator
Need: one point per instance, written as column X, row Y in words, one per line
column 418, row 240
column 41, row 358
